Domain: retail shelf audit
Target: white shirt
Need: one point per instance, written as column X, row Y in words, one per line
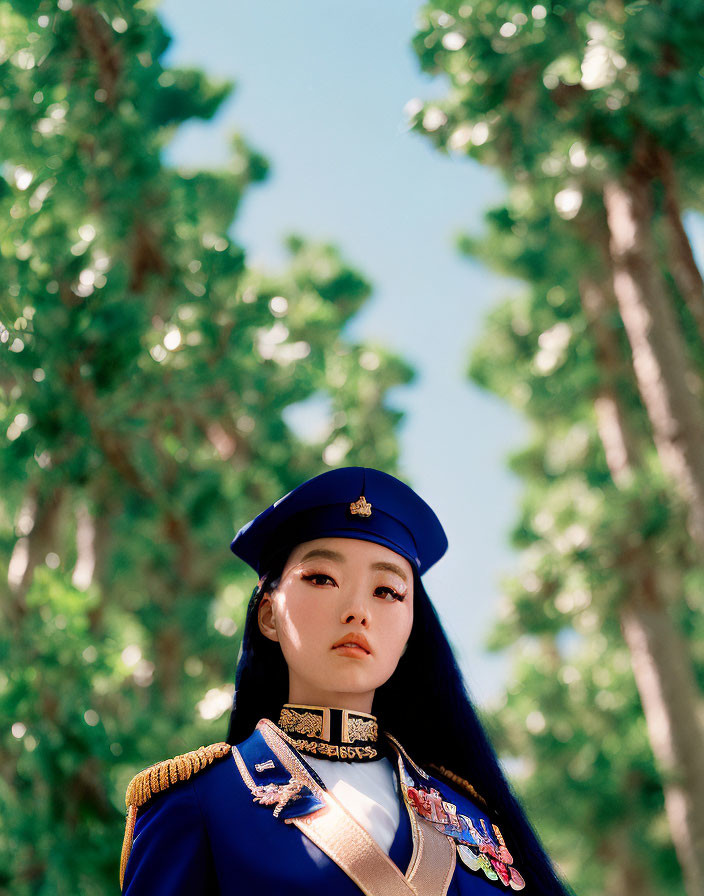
column 369, row 792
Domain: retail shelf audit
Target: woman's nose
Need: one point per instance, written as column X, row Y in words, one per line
column 355, row 607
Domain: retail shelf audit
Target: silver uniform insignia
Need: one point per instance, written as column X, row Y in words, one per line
column 277, row 794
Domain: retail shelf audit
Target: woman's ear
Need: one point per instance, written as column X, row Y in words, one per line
column 267, row 618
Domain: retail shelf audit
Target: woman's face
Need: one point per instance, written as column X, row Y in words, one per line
column 334, row 591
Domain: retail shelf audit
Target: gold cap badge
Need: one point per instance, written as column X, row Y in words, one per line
column 361, row 507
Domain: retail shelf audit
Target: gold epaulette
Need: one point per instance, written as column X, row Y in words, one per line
column 158, row 778
column 460, row 782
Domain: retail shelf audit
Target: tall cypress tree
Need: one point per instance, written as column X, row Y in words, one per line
column 602, row 537
column 592, row 112
column 146, row 377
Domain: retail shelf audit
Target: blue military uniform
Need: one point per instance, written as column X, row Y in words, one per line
column 256, row 818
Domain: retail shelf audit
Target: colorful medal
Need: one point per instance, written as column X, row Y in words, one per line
column 486, row 868
column 479, row 848
column 517, row 882
column 504, row 854
column 468, row 857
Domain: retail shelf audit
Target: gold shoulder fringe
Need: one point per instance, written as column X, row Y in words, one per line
column 161, row 776
column 461, row 782
column 158, row 778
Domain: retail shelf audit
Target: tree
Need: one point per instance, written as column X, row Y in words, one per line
column 604, row 552
column 145, row 382
column 592, row 112
column 602, row 98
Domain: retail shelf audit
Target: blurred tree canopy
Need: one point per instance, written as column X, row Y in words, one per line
column 592, row 112
column 146, row 374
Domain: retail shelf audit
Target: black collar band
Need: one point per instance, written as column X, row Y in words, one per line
column 329, row 732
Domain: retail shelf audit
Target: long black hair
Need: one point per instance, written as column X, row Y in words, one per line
column 426, row 684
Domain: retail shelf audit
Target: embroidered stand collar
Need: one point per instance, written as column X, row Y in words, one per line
column 329, row 732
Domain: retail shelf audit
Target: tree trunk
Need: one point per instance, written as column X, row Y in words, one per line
column 84, row 570
column 659, row 357
column 670, row 701
column 626, row 875
column 37, row 523
column 661, row 665
column 680, row 258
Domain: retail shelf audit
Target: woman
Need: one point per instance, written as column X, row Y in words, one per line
column 352, row 741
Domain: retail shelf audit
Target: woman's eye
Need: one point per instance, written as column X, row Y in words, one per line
column 394, row 594
column 321, row 578
column 318, row 578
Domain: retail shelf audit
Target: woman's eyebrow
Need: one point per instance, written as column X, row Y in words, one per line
column 391, row 567
column 335, row 555
column 323, row 552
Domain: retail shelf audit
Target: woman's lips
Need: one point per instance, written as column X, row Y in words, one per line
column 352, row 650
column 355, row 639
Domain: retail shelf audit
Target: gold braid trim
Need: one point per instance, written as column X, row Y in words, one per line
column 461, row 782
column 158, row 778
column 127, row 841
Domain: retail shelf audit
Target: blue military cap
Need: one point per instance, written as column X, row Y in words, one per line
column 348, row 502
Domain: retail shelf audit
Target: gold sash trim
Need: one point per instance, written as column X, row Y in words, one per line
column 353, row 849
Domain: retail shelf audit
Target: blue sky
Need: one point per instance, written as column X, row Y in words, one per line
column 320, row 92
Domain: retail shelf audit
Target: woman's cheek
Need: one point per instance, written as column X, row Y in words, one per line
column 301, row 631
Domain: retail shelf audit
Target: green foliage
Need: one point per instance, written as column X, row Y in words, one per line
column 560, row 97
column 67, row 690
column 562, row 89
column 586, row 745
column 144, row 378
